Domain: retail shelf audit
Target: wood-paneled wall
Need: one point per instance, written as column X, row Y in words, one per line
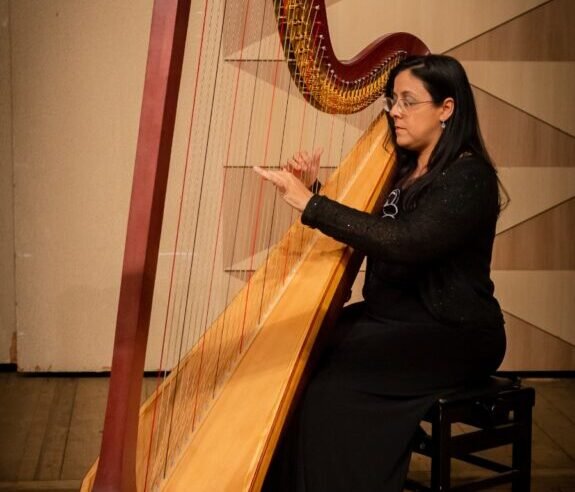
column 523, row 72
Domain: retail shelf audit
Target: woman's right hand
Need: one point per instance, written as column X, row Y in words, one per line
column 304, row 166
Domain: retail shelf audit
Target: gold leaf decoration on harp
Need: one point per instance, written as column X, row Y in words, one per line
column 213, row 424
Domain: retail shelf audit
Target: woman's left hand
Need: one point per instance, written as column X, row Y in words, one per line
column 291, row 189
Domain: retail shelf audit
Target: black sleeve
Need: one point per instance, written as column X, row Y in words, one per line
column 461, row 202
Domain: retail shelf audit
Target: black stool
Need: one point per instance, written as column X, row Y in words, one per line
column 500, row 410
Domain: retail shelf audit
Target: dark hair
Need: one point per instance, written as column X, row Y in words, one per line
column 443, row 77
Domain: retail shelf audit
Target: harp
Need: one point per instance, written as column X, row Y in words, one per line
column 233, row 371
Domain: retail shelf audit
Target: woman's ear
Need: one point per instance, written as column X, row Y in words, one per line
column 447, row 108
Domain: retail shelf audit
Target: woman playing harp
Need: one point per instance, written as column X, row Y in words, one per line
column 429, row 322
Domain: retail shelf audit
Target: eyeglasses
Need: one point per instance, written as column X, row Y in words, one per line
column 403, row 105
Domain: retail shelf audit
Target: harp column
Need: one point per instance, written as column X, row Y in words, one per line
column 117, row 468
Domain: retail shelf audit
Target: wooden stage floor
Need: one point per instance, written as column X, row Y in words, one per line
column 50, row 431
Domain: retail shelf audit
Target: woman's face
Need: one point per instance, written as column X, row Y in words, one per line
column 418, row 126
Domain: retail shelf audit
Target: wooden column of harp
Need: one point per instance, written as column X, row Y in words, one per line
column 231, row 446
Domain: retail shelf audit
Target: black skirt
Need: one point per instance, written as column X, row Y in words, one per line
column 353, row 428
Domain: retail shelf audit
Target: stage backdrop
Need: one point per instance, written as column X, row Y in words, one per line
column 71, row 78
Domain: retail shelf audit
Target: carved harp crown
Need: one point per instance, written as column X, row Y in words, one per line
column 213, row 423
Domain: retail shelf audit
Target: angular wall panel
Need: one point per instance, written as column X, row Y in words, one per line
column 442, row 24
column 543, row 298
column 542, row 34
column 543, row 89
column 532, row 191
column 543, row 243
column 516, row 138
column 531, row 349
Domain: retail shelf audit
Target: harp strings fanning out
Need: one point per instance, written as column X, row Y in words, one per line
column 230, row 252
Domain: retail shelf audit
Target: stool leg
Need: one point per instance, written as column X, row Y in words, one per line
column 441, row 454
column 522, row 446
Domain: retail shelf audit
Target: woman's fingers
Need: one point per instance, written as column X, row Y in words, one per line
column 304, row 156
column 275, row 177
column 295, row 177
column 267, row 175
column 303, row 165
column 291, row 189
column 262, row 172
column 293, row 164
column 303, row 160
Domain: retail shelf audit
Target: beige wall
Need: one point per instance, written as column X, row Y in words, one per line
column 7, row 294
column 77, row 83
column 77, row 75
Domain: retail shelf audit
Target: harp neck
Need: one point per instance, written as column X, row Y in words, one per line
column 329, row 84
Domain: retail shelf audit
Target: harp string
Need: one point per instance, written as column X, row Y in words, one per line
column 298, row 244
column 245, row 272
column 162, row 406
column 218, row 369
column 311, row 15
column 205, row 309
column 203, row 327
column 263, row 245
column 184, row 386
column 255, row 225
column 192, row 324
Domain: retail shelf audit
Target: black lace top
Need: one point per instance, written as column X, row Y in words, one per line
column 432, row 262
